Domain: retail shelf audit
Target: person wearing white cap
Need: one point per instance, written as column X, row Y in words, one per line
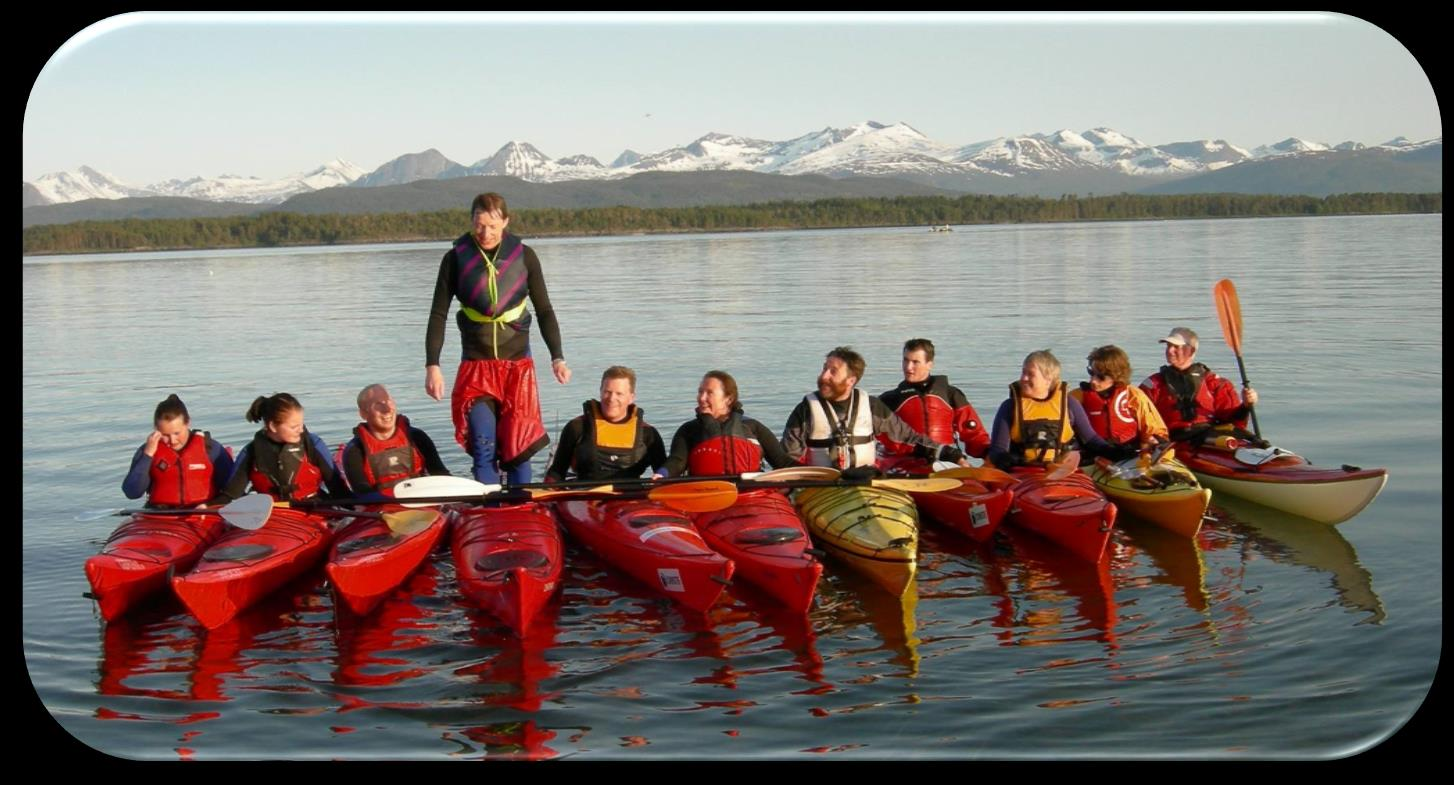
column 1190, row 398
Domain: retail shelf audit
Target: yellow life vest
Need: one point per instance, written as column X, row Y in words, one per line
column 1040, row 431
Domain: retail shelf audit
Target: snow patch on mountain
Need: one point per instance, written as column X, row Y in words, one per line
column 84, row 183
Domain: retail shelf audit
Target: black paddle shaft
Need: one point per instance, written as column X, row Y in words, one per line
column 1242, row 369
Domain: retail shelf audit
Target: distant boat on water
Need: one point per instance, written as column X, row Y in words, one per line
column 944, row 228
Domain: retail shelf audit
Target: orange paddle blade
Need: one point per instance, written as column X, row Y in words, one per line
column 1229, row 311
column 703, row 496
column 1064, row 467
column 984, row 473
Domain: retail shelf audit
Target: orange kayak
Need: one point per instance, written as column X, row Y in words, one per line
column 1070, row 511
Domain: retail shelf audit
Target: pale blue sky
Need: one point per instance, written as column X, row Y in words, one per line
column 152, row 97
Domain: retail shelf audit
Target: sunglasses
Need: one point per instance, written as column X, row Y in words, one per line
column 1094, row 374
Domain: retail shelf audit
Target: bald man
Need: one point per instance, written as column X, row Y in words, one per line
column 386, row 449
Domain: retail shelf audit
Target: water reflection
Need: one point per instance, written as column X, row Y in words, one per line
column 1289, row 539
column 1041, row 577
column 372, row 651
column 1178, row 561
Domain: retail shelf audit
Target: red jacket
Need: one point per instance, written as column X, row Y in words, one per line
column 1194, row 397
column 940, row 412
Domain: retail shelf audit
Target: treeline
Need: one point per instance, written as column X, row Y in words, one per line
column 282, row 229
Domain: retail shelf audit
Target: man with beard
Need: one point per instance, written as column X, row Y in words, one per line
column 838, row 425
column 1192, row 399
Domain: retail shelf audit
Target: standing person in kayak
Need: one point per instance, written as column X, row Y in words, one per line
column 1040, row 421
column 283, row 460
column 385, row 448
column 1190, row 398
column 495, row 403
column 1120, row 413
column 177, row 466
column 933, row 407
column 722, row 440
column 610, row 440
column 838, row 425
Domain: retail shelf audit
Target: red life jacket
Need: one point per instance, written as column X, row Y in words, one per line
column 927, row 411
column 1113, row 417
column 181, row 479
column 727, row 447
column 387, row 462
column 1193, row 397
column 268, row 475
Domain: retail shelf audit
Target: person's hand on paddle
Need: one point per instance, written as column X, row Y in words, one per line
column 1249, row 396
column 434, row 382
column 560, row 369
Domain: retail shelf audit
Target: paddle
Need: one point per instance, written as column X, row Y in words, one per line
column 696, row 496
column 1229, row 312
column 1064, row 467
column 784, row 474
column 979, row 473
column 249, row 512
column 398, row 521
column 906, row 484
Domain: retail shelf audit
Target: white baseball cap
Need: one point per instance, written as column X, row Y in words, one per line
column 1181, row 336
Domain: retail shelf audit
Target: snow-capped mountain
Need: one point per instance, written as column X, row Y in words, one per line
column 84, row 183
column 1100, row 155
column 254, row 190
column 1289, row 146
column 523, row 160
column 87, row 183
column 1210, row 154
column 626, row 158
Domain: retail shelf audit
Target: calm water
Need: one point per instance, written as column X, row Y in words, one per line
column 1267, row 637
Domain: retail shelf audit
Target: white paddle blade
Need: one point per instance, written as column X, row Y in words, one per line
column 942, row 466
column 443, row 485
column 795, row 473
column 249, row 512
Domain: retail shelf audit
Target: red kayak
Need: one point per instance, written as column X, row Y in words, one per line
column 142, row 555
column 507, row 560
column 975, row 509
column 369, row 560
column 244, row 566
column 762, row 534
column 652, row 543
column 1070, row 511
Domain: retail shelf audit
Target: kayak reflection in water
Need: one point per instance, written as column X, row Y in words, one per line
column 838, row 425
column 385, row 449
column 721, row 439
column 611, row 439
column 931, row 406
column 1119, row 412
column 177, row 466
column 1189, row 396
column 283, row 460
column 1039, row 423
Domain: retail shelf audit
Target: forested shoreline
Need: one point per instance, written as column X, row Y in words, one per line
column 275, row 229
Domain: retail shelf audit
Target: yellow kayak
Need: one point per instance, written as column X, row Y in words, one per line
column 873, row 530
column 1167, row 494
